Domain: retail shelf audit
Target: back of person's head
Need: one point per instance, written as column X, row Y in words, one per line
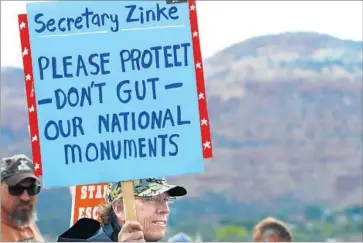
column 272, row 230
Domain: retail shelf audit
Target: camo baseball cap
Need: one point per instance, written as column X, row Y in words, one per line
column 16, row 169
column 146, row 188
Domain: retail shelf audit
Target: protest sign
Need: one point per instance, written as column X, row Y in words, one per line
column 86, row 200
column 119, row 90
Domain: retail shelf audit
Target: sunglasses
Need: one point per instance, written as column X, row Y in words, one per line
column 167, row 200
column 17, row 190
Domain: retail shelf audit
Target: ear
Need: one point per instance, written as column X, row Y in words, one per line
column 117, row 207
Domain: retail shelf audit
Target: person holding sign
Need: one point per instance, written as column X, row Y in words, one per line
column 152, row 197
column 19, row 190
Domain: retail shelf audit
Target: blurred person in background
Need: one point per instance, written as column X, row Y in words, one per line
column 152, row 197
column 180, row 237
column 19, row 190
column 271, row 230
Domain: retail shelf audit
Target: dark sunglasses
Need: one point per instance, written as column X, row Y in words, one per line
column 17, row 190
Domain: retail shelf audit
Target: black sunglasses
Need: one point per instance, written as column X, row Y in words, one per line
column 17, row 190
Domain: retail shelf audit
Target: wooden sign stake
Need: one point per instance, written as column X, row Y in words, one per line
column 129, row 200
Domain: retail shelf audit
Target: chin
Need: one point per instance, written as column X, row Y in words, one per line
column 156, row 236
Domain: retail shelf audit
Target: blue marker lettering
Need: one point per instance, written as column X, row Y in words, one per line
column 138, row 14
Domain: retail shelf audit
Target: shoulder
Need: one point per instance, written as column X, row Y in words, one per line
column 84, row 229
column 34, row 228
column 36, row 232
column 8, row 233
column 5, row 230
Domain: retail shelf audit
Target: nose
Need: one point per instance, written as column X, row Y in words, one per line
column 25, row 196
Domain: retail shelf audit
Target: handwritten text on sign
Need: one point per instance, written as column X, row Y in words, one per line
column 117, row 96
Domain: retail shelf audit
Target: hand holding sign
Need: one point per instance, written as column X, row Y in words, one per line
column 131, row 231
column 119, row 92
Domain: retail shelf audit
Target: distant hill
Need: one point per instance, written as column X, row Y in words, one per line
column 286, row 117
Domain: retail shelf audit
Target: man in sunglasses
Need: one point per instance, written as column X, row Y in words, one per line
column 19, row 190
column 152, row 197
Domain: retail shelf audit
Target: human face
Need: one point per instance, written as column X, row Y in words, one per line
column 20, row 208
column 153, row 213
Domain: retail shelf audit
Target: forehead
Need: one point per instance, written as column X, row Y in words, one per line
column 26, row 182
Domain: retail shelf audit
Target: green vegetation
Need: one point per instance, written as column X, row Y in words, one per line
column 345, row 225
column 218, row 220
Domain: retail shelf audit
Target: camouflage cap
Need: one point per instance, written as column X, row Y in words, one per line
column 16, row 169
column 146, row 188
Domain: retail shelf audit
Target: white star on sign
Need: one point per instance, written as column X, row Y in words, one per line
column 25, row 52
column 22, row 25
column 31, row 109
column 192, row 8
column 34, row 138
column 201, row 96
column 198, row 65
column 36, row 167
column 204, row 122
column 195, row 34
column 28, row 77
column 206, row 145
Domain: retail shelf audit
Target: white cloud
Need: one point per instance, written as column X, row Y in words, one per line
column 223, row 23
